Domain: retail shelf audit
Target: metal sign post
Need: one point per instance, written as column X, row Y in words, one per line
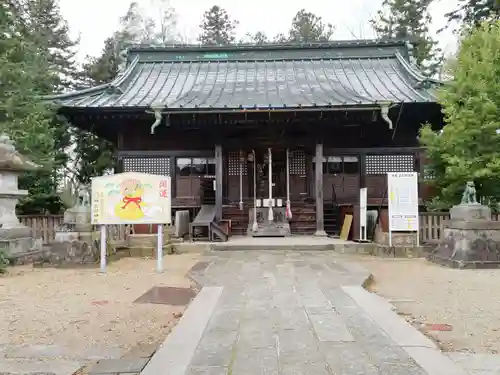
column 159, row 249
column 363, row 203
column 103, row 248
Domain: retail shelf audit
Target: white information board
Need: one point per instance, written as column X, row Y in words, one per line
column 363, row 203
column 131, row 198
column 402, row 191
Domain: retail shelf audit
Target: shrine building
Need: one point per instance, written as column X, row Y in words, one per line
column 266, row 140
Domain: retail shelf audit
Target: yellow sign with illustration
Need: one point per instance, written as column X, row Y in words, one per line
column 131, row 198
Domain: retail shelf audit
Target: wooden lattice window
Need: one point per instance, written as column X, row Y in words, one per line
column 382, row 164
column 234, row 164
column 152, row 165
column 298, row 163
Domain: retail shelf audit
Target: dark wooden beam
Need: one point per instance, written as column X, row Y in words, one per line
column 218, row 182
column 320, row 220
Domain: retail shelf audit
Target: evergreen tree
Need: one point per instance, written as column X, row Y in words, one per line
column 217, row 27
column 166, row 25
column 94, row 156
column 24, row 73
column 308, row 27
column 258, row 38
column 136, row 28
column 50, row 32
column 473, row 12
column 467, row 148
column 139, row 28
column 410, row 19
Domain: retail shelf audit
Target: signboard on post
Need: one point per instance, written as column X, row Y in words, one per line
column 131, row 198
column 402, row 189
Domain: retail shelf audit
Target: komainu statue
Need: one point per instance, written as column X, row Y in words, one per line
column 469, row 195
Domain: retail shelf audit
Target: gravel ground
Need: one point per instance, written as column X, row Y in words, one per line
column 425, row 293
column 82, row 310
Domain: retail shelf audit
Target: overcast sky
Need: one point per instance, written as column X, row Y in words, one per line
column 94, row 20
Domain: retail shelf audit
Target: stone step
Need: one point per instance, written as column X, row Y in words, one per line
column 36, row 367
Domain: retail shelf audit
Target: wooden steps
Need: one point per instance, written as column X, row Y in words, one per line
column 303, row 218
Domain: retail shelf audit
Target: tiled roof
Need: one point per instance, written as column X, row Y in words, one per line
column 246, row 80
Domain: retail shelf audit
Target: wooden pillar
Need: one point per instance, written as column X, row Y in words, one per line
column 218, row 182
column 320, row 222
column 356, row 235
column 362, row 170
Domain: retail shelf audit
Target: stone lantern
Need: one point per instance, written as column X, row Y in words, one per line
column 13, row 235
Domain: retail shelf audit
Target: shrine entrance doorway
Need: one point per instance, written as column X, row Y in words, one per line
column 268, row 217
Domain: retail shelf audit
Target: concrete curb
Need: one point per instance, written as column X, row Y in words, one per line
column 174, row 355
column 423, row 350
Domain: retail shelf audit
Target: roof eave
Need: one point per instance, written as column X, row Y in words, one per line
column 114, row 85
column 415, row 73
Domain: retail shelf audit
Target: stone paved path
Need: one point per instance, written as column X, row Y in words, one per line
column 286, row 313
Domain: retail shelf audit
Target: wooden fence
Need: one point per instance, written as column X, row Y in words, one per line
column 431, row 226
column 44, row 226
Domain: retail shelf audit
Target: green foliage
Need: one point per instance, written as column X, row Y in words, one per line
column 473, row 12
column 139, row 28
column 41, row 204
column 95, row 156
column 308, row 27
column 467, row 148
column 35, row 59
column 217, row 28
column 258, row 38
column 410, row 19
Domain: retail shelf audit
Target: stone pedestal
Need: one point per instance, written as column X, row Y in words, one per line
column 15, row 239
column 76, row 243
column 470, row 239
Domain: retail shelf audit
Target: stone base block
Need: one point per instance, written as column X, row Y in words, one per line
column 29, row 257
column 71, row 253
column 470, row 212
column 399, row 239
column 66, row 236
column 15, row 232
column 469, row 248
column 447, row 262
column 21, row 245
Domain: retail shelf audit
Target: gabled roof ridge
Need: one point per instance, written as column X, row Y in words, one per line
column 271, row 46
column 244, row 59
